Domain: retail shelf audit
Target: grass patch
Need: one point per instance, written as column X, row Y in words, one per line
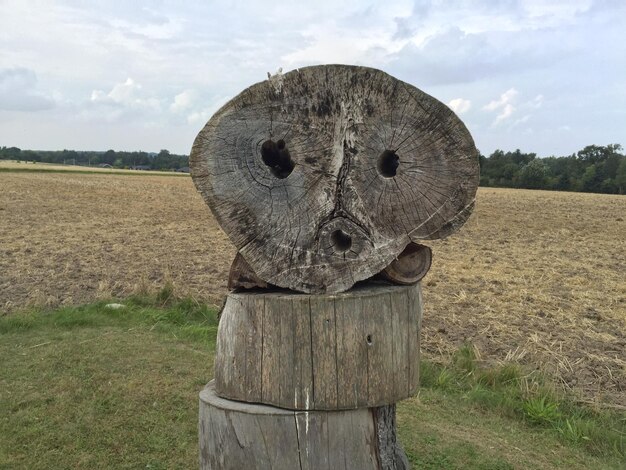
column 528, row 398
column 97, row 387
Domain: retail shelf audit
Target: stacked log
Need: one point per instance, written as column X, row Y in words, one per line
column 326, row 179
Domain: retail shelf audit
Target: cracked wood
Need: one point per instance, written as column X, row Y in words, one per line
column 236, row 435
column 320, row 352
column 322, row 176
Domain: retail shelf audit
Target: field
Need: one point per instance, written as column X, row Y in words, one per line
column 535, row 277
column 12, row 166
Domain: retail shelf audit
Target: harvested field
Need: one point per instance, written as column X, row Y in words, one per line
column 534, row 277
column 15, row 166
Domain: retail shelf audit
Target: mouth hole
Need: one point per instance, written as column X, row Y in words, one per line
column 277, row 157
column 341, row 240
column 388, row 163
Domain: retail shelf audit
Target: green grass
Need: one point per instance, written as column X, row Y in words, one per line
column 93, row 387
column 524, row 402
column 92, row 172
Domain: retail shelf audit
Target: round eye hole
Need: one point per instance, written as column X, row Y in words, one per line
column 277, row 157
column 388, row 163
column 341, row 240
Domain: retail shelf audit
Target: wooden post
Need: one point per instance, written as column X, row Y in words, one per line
column 320, row 352
column 236, row 435
column 311, row 381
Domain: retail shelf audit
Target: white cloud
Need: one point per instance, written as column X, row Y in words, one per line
column 18, row 91
column 128, row 94
column 182, row 101
column 503, row 105
column 460, row 105
column 537, row 102
column 201, row 116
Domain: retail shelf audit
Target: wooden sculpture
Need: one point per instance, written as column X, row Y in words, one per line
column 324, row 177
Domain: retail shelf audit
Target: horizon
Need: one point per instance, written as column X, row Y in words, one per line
column 153, row 152
column 542, row 77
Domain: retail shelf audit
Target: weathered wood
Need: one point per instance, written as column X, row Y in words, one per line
column 235, row 436
column 322, row 176
column 390, row 452
column 320, row 352
column 410, row 266
column 243, row 276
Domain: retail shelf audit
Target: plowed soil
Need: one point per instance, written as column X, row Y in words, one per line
column 535, row 277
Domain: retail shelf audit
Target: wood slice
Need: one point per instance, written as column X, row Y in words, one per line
column 322, row 176
column 410, row 266
column 235, row 436
column 320, row 352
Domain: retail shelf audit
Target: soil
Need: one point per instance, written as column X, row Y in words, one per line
column 534, row 277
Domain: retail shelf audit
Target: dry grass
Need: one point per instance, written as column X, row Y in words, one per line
column 536, row 277
column 32, row 166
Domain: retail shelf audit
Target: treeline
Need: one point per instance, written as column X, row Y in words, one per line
column 594, row 169
column 164, row 160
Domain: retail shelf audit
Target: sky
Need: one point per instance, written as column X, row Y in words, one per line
column 543, row 76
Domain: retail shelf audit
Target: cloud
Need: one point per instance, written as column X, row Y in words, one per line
column 459, row 105
column 537, row 102
column 201, row 116
column 184, row 57
column 18, row 91
column 127, row 94
column 521, row 120
column 504, row 105
column 182, row 101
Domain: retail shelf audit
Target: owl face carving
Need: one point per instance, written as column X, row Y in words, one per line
column 322, row 176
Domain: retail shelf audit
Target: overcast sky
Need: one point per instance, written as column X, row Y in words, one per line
column 543, row 76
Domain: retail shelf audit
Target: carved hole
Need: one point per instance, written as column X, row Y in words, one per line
column 388, row 163
column 341, row 240
column 276, row 156
column 369, row 339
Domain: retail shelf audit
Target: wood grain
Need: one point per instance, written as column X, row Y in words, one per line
column 235, row 436
column 410, row 266
column 320, row 352
column 322, row 176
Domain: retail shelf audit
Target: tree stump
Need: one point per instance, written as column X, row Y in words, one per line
column 320, row 352
column 322, row 176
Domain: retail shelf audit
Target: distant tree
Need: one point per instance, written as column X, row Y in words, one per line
column 533, row 175
column 109, row 157
column 620, row 177
column 11, row 153
column 163, row 161
column 591, row 180
column 30, row 155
